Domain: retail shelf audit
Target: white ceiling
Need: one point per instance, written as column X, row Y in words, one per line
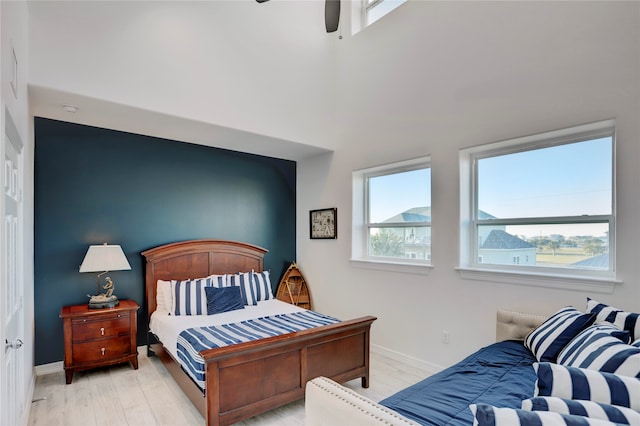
column 263, row 90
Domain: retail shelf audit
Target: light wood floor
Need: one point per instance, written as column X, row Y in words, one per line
column 120, row 395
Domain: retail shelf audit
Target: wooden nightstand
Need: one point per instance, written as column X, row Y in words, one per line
column 99, row 337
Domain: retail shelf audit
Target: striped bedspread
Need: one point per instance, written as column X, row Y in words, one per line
column 194, row 340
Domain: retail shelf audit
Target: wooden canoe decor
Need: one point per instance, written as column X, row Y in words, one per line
column 293, row 288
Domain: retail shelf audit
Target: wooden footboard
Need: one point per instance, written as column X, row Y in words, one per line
column 250, row 378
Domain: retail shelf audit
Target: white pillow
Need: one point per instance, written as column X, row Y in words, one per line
column 163, row 296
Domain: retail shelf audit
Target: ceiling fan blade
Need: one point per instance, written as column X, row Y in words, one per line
column 331, row 15
column 261, row 1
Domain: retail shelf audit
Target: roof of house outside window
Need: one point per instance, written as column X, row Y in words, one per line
column 501, row 240
column 599, row 261
column 423, row 214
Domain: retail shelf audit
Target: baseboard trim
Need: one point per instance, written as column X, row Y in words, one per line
column 406, row 359
column 53, row 367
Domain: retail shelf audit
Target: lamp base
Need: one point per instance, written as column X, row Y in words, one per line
column 100, row 302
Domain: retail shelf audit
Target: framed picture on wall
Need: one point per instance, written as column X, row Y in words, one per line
column 323, row 224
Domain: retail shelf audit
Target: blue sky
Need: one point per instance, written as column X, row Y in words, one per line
column 566, row 180
column 573, row 179
column 393, row 194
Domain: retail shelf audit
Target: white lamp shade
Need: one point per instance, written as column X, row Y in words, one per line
column 104, row 257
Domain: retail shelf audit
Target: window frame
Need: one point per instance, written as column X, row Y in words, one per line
column 470, row 265
column 370, row 5
column 361, row 225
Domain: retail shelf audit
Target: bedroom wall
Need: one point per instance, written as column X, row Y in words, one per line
column 94, row 185
column 263, row 68
column 432, row 78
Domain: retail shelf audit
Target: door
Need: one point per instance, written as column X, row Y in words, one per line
column 11, row 285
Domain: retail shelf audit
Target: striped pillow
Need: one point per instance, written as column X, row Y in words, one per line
column 486, row 415
column 597, row 349
column 629, row 321
column 244, row 280
column 548, row 339
column 217, row 281
column 188, row 298
column 579, row 383
column 262, row 285
column 592, row 409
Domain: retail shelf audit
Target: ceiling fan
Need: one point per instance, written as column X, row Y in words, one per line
column 331, row 14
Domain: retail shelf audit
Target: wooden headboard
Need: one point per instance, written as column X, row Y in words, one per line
column 197, row 259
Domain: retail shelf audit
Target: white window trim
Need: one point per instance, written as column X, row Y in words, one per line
column 470, row 268
column 366, row 6
column 359, row 229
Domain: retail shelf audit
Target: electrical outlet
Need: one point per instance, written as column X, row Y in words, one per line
column 445, row 336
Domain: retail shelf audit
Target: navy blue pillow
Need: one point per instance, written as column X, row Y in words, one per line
column 223, row 299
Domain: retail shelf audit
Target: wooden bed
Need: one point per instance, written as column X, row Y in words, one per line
column 250, row 378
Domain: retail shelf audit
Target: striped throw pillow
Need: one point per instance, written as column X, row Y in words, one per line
column 580, row 383
column 548, row 339
column 262, row 284
column 188, row 298
column 597, row 348
column 629, row 321
column 592, row 409
column 487, row 415
column 244, row 280
column 217, row 281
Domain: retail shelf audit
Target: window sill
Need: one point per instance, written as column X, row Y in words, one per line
column 404, row 267
column 566, row 282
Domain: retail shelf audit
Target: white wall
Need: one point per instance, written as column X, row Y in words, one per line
column 434, row 77
column 256, row 67
column 14, row 36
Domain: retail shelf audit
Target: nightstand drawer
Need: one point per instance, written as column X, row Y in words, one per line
column 101, row 349
column 114, row 326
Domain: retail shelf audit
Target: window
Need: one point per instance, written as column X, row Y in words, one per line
column 373, row 10
column 541, row 204
column 392, row 213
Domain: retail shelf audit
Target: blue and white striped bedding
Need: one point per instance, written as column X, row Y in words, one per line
column 194, row 340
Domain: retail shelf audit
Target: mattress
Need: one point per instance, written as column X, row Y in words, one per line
column 501, row 375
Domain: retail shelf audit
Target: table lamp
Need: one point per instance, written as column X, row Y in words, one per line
column 104, row 258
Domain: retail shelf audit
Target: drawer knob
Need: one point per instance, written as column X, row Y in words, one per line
column 102, row 330
column 102, row 350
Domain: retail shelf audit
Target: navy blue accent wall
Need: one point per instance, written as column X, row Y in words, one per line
column 95, row 185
